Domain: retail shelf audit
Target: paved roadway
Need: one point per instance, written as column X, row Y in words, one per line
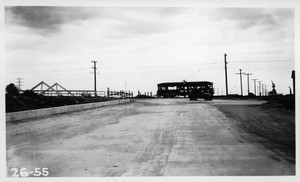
column 158, row 137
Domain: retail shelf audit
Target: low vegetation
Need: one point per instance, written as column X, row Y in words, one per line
column 28, row 100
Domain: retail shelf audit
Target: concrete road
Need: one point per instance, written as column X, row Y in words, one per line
column 158, row 137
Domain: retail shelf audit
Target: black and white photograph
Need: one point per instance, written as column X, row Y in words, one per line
column 177, row 91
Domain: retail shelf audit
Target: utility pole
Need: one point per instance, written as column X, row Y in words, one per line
column 254, row 86
column 240, row 73
column 259, row 87
column 19, row 81
column 294, row 78
column 266, row 90
column 95, row 85
column 248, row 81
column 262, row 89
column 226, row 74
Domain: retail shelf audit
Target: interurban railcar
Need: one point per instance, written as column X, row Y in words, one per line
column 194, row 90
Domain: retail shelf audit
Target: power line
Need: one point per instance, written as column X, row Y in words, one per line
column 164, row 66
column 31, row 65
column 143, row 67
column 80, row 62
column 54, row 70
column 146, row 67
column 262, row 61
column 47, row 64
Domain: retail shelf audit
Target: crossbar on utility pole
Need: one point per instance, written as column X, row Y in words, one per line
column 254, row 86
column 95, row 82
column 226, row 82
column 248, row 81
column 240, row 73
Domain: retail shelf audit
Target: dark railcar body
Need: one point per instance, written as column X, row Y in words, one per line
column 193, row 90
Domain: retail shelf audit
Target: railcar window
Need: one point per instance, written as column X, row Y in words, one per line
column 172, row 88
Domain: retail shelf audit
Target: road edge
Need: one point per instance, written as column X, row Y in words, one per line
column 15, row 116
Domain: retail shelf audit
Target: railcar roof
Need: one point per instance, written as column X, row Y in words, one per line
column 185, row 83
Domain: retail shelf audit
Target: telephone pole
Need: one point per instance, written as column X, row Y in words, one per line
column 226, row 74
column 95, row 85
column 266, row 90
column 262, row 89
column 254, row 86
column 19, row 81
column 240, row 73
column 259, row 87
column 248, row 81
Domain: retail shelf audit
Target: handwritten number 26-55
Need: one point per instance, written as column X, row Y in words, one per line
column 24, row 173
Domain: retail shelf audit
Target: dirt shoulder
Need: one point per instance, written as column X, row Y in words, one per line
column 270, row 124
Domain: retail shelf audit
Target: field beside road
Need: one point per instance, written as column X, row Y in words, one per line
column 22, row 103
column 157, row 137
column 272, row 127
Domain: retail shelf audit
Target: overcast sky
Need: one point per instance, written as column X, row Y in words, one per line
column 137, row 48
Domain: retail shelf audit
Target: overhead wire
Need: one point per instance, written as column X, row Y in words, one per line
column 54, row 70
column 148, row 67
column 132, row 67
